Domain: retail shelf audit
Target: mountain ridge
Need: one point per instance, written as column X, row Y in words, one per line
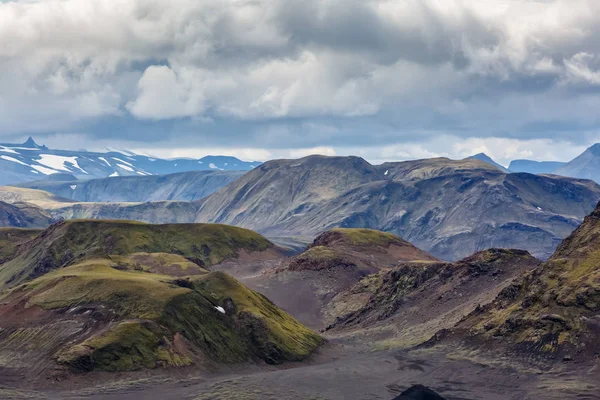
column 29, row 161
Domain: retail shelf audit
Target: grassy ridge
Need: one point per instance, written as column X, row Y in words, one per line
column 72, row 241
column 368, row 237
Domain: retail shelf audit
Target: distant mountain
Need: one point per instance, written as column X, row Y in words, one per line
column 487, row 159
column 29, row 161
column 449, row 208
column 187, row 186
column 585, row 166
column 23, row 215
column 535, row 167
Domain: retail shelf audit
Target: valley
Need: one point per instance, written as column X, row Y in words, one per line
column 223, row 284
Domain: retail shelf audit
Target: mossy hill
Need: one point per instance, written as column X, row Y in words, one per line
column 67, row 242
column 364, row 249
column 131, row 297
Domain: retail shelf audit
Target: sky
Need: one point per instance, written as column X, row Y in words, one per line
column 259, row 79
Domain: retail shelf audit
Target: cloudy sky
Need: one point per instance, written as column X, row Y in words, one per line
column 383, row 79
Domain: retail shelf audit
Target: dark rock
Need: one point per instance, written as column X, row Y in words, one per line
column 419, row 392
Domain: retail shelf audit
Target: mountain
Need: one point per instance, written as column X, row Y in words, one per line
column 185, row 186
column 29, row 161
column 487, row 159
column 585, row 166
column 409, row 303
column 305, row 284
column 551, row 314
column 120, row 296
column 449, row 208
column 535, row 167
column 23, row 215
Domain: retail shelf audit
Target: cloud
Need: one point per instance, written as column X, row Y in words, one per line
column 328, row 74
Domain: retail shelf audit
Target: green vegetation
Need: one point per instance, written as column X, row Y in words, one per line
column 128, row 346
column 291, row 340
column 149, row 303
column 72, row 241
column 152, row 310
column 552, row 309
column 158, row 263
column 368, row 237
column 12, row 238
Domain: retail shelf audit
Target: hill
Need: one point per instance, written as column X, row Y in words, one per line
column 30, row 162
column 405, row 306
column 23, row 215
column 113, row 296
column 487, row 159
column 448, row 208
column 551, row 313
column 184, row 186
column 335, row 261
column 67, row 242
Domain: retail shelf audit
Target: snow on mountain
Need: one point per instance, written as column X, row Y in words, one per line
column 29, row 162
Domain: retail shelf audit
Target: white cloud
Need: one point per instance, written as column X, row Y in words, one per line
column 521, row 69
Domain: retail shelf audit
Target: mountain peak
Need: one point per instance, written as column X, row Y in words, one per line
column 487, row 159
column 30, row 143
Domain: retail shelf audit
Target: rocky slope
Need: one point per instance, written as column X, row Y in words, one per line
column 448, row 208
column 185, row 186
column 305, row 284
column 585, row 166
column 551, row 314
column 111, row 296
column 23, row 215
column 408, row 304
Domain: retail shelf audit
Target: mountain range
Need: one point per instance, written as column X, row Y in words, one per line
column 449, row 208
column 29, row 161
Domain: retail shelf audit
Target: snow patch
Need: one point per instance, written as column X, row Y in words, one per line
column 44, row 170
column 152, row 159
column 35, row 172
column 220, row 309
column 539, row 208
column 200, row 162
column 58, row 162
column 104, row 159
column 73, row 187
column 8, row 158
column 123, row 161
column 387, row 172
column 113, row 174
column 7, row 150
column 125, row 167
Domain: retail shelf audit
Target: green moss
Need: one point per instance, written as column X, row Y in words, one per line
column 12, row 238
column 128, row 346
column 291, row 339
column 368, row 237
column 153, row 311
column 68, row 242
column 158, row 263
column 128, row 294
